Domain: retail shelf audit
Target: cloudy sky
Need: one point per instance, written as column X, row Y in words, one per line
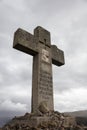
column 67, row 22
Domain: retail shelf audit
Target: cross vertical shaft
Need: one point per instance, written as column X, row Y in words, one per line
column 42, row 85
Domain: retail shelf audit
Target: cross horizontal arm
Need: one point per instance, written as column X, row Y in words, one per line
column 24, row 41
column 57, row 56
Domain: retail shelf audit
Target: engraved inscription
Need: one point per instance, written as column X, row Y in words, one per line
column 45, row 67
column 45, row 56
column 45, row 85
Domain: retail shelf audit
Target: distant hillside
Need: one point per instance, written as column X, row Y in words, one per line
column 4, row 120
column 78, row 113
column 81, row 121
column 81, row 116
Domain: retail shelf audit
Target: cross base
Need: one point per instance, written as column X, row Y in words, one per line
column 54, row 120
column 35, row 121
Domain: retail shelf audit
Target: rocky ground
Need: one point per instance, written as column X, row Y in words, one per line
column 48, row 121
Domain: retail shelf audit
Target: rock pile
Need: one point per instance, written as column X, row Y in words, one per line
column 49, row 121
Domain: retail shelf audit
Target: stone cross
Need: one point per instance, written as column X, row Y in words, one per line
column 44, row 54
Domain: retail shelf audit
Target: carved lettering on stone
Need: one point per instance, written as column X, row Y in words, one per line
column 45, row 56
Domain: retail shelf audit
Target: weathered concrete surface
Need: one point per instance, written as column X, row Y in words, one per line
column 44, row 54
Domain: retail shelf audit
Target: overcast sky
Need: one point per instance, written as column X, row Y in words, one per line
column 67, row 22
